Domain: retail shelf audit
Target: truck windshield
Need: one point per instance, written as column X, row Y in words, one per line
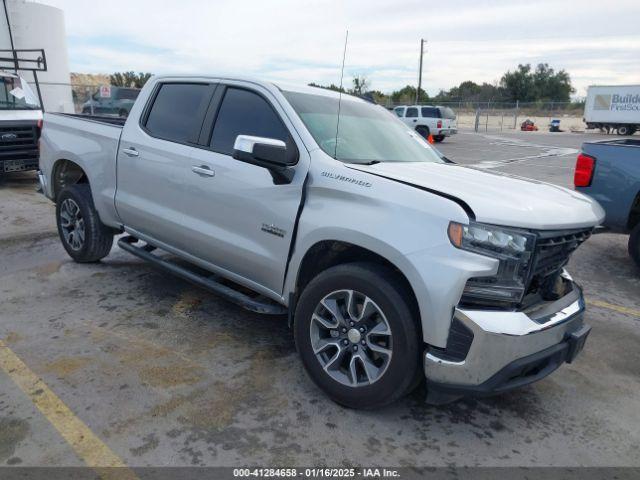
column 15, row 94
column 367, row 133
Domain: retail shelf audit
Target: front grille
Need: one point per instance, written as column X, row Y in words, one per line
column 19, row 142
column 552, row 252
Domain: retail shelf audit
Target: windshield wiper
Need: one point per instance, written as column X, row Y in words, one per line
column 372, row 162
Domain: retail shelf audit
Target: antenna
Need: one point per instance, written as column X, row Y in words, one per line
column 344, row 55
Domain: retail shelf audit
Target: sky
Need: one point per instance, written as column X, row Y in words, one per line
column 302, row 41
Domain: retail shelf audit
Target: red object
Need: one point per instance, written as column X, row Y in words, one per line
column 585, row 165
column 430, row 138
column 528, row 126
column 439, row 124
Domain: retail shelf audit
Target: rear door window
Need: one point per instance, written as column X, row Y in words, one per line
column 243, row 112
column 447, row 113
column 178, row 111
column 412, row 112
column 430, row 112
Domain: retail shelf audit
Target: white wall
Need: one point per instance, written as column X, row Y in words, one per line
column 35, row 25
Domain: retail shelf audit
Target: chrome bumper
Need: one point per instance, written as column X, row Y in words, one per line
column 504, row 339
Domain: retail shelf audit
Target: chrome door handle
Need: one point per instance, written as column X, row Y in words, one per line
column 131, row 152
column 203, row 170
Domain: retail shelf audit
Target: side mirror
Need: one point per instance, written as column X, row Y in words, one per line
column 263, row 152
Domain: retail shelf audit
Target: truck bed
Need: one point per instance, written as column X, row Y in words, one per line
column 616, row 180
column 91, row 141
column 111, row 120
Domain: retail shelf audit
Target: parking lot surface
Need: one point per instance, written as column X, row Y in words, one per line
column 118, row 362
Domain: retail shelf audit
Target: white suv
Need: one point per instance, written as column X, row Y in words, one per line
column 427, row 120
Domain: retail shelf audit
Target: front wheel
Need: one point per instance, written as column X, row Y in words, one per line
column 358, row 336
column 634, row 244
column 83, row 235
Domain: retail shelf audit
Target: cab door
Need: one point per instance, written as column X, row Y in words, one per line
column 240, row 219
column 153, row 157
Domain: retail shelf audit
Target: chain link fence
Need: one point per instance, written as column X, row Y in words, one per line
column 500, row 116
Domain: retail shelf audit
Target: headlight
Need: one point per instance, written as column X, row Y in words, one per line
column 512, row 247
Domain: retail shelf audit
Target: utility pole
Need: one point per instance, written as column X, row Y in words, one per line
column 422, row 42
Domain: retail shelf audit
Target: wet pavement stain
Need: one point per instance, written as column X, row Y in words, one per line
column 150, row 442
column 64, row 367
column 171, row 375
column 12, row 432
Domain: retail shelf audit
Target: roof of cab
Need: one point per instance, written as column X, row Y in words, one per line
column 280, row 86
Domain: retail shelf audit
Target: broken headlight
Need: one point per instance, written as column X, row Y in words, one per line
column 512, row 247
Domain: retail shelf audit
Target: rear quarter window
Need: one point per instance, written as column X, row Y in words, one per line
column 430, row 112
column 446, row 112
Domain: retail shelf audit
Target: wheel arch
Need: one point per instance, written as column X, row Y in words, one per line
column 328, row 253
column 66, row 172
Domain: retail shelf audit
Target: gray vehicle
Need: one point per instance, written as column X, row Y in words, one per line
column 119, row 102
column 610, row 173
column 391, row 262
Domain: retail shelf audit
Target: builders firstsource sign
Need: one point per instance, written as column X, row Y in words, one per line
column 617, row 103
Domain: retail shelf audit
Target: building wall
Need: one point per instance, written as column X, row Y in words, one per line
column 35, row 25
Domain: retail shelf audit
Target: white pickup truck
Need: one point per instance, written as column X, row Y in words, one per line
column 392, row 262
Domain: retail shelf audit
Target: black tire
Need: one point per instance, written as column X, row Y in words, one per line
column 384, row 287
column 624, row 130
column 438, row 138
column 97, row 240
column 634, row 244
column 424, row 132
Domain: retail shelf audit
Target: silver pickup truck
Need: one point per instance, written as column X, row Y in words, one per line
column 392, row 262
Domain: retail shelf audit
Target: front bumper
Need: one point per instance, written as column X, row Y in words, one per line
column 508, row 349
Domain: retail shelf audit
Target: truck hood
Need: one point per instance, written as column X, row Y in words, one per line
column 497, row 198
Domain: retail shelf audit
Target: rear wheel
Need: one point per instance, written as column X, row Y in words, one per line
column 83, row 235
column 624, row 130
column 357, row 335
column 634, row 244
column 423, row 131
column 438, row 138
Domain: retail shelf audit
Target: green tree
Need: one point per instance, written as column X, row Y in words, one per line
column 360, row 85
column 550, row 85
column 408, row 95
column 519, row 84
column 543, row 84
column 129, row 79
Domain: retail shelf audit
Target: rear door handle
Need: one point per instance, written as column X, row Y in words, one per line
column 203, row 171
column 131, row 152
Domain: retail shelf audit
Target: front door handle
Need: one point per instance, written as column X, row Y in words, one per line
column 203, row 171
column 131, row 152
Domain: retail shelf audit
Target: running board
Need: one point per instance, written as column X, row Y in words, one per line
column 259, row 305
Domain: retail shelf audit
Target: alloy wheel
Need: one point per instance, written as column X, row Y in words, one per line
column 351, row 338
column 72, row 224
